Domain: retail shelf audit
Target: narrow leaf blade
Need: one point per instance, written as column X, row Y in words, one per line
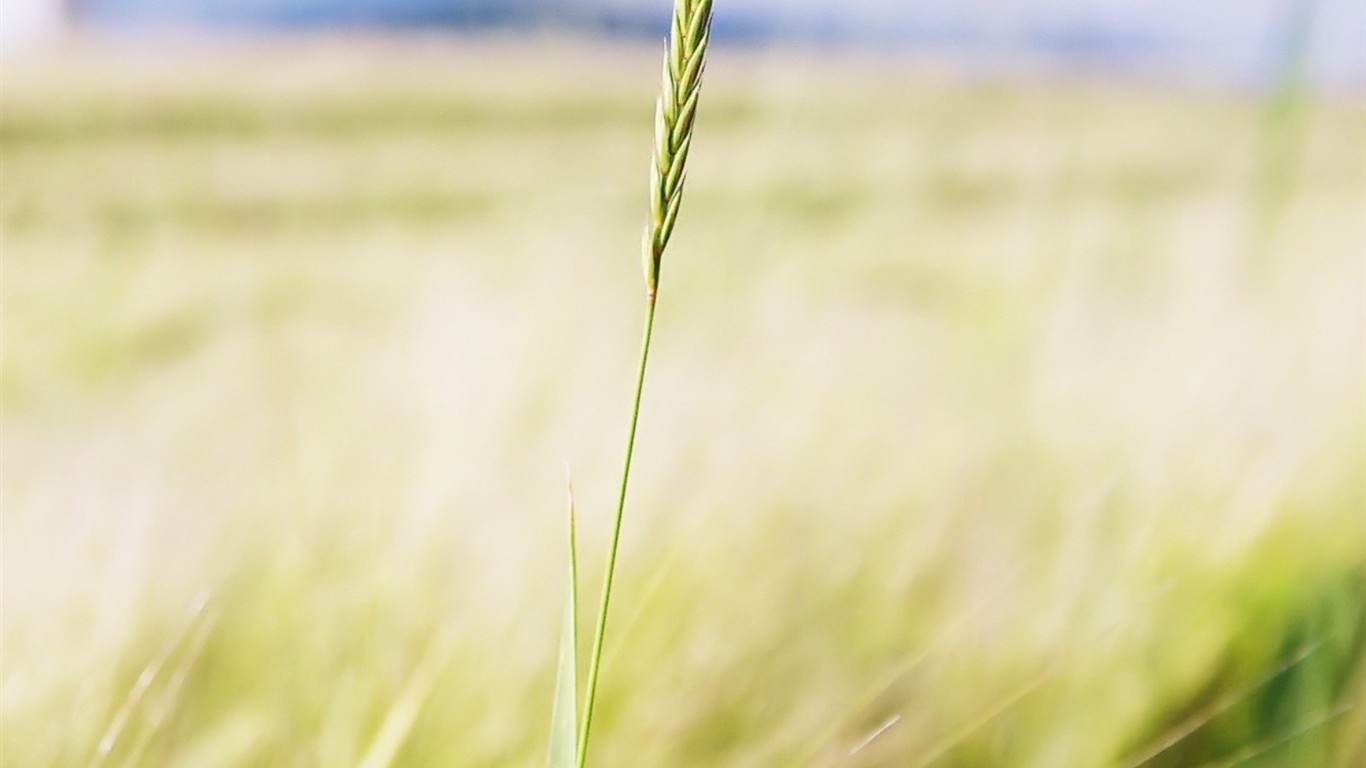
column 564, row 715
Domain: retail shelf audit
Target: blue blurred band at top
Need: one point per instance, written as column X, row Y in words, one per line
column 1241, row 42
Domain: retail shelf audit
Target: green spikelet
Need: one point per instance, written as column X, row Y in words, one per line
column 674, row 115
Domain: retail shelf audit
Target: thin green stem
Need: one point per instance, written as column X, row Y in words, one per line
column 590, row 694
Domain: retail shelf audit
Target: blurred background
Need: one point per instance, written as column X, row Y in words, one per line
column 1245, row 41
column 1007, row 408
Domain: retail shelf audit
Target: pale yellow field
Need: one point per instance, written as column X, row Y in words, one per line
column 1027, row 420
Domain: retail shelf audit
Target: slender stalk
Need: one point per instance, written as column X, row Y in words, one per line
column 600, row 633
column 675, row 112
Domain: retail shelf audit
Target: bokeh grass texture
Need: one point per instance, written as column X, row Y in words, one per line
column 1009, row 421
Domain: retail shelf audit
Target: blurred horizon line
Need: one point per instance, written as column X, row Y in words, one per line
column 1255, row 45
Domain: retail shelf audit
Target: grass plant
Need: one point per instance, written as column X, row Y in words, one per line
column 675, row 112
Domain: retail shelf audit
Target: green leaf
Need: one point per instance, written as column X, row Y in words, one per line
column 564, row 716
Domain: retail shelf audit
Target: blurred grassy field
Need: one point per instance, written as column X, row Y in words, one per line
column 1027, row 420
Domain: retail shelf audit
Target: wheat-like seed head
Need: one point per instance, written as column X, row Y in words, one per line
column 674, row 113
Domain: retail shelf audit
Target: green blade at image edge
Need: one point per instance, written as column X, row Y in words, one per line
column 564, row 717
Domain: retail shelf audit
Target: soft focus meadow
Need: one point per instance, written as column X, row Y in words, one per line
column 991, row 422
